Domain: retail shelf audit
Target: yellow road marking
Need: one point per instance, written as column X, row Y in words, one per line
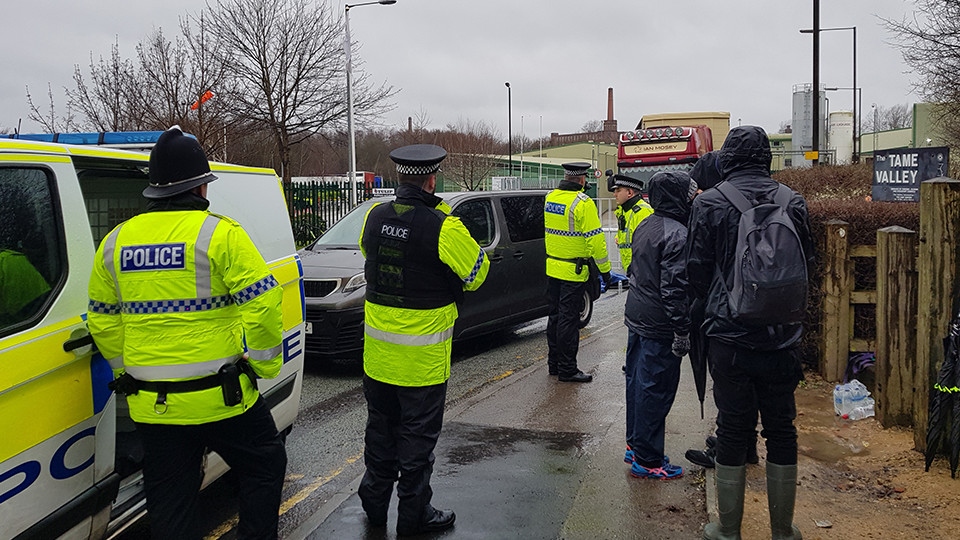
column 230, row 523
column 503, row 375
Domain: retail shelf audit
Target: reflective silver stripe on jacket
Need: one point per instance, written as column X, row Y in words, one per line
column 404, row 339
column 265, row 354
column 602, row 261
column 201, row 257
column 179, row 371
column 571, row 226
column 116, row 362
column 109, row 246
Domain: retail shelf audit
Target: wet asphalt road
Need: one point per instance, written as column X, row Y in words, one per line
column 524, row 452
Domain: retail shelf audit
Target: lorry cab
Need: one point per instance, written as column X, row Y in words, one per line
column 69, row 455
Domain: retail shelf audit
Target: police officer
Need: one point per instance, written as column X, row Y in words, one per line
column 184, row 307
column 419, row 262
column 574, row 240
column 631, row 209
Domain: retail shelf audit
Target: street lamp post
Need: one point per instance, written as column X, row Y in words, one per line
column 351, row 139
column 509, row 131
column 853, row 104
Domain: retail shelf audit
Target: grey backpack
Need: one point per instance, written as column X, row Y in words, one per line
column 770, row 273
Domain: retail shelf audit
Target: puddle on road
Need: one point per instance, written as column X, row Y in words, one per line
column 472, row 443
column 828, row 447
column 821, row 434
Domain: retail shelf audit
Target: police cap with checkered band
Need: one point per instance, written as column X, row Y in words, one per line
column 418, row 159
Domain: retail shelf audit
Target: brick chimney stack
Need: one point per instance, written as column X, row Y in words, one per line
column 610, row 124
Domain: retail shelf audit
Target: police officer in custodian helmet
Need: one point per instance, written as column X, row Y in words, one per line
column 419, row 262
column 186, row 311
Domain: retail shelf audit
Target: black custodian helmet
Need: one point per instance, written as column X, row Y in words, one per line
column 177, row 164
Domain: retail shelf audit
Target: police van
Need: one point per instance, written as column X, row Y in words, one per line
column 70, row 457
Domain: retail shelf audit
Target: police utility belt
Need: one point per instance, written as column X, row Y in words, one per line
column 228, row 379
column 579, row 261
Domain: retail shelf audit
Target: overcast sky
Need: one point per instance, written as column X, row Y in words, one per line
column 450, row 58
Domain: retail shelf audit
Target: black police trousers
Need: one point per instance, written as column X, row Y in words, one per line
column 173, row 456
column 403, row 425
column 746, row 382
column 563, row 325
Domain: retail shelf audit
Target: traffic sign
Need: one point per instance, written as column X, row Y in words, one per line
column 597, row 173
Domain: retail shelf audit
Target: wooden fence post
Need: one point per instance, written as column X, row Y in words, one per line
column 837, row 285
column 896, row 325
column 938, row 284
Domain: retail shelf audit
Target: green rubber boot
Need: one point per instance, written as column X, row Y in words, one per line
column 731, row 482
column 781, row 496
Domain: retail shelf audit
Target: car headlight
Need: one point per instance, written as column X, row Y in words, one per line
column 354, row 283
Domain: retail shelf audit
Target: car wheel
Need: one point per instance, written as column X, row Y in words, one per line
column 586, row 309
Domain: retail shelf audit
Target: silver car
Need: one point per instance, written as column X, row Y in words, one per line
column 508, row 225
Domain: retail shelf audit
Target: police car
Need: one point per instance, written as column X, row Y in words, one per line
column 69, row 454
column 508, row 225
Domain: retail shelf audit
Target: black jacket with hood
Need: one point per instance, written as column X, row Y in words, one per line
column 745, row 164
column 658, row 301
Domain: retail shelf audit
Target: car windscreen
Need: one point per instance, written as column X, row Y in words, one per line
column 346, row 232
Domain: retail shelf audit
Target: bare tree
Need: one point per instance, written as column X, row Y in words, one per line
column 49, row 120
column 887, row 118
column 185, row 83
column 286, row 61
column 592, row 126
column 930, row 44
column 785, row 127
column 105, row 104
column 472, row 150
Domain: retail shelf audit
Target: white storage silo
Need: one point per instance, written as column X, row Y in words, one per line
column 803, row 123
column 840, row 138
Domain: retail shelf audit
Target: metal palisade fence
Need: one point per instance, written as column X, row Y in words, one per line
column 316, row 205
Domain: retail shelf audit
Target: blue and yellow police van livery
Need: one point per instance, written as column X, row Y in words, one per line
column 69, row 453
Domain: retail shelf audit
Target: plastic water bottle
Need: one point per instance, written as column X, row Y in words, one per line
column 862, row 411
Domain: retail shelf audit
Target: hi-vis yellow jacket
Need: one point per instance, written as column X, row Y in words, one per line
column 411, row 347
column 627, row 222
column 572, row 232
column 174, row 296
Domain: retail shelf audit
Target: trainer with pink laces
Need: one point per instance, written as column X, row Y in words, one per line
column 657, row 315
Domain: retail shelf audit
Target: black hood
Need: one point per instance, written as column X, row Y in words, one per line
column 671, row 194
column 746, row 148
column 706, row 172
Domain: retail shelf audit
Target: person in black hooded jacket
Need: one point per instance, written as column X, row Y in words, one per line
column 657, row 315
column 754, row 368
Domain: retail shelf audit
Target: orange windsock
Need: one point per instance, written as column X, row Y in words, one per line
column 203, row 99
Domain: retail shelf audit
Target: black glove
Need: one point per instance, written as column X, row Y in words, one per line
column 681, row 345
column 606, row 278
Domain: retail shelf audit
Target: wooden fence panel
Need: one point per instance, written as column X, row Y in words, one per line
column 896, row 326
column 837, row 287
column 938, row 274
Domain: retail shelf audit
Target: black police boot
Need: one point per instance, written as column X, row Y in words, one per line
column 579, row 376
column 433, row 520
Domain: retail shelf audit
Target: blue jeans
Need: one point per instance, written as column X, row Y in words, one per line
column 653, row 374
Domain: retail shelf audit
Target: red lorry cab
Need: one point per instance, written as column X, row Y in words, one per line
column 645, row 152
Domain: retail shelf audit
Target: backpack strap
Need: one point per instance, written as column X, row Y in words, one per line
column 733, row 195
column 781, row 197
